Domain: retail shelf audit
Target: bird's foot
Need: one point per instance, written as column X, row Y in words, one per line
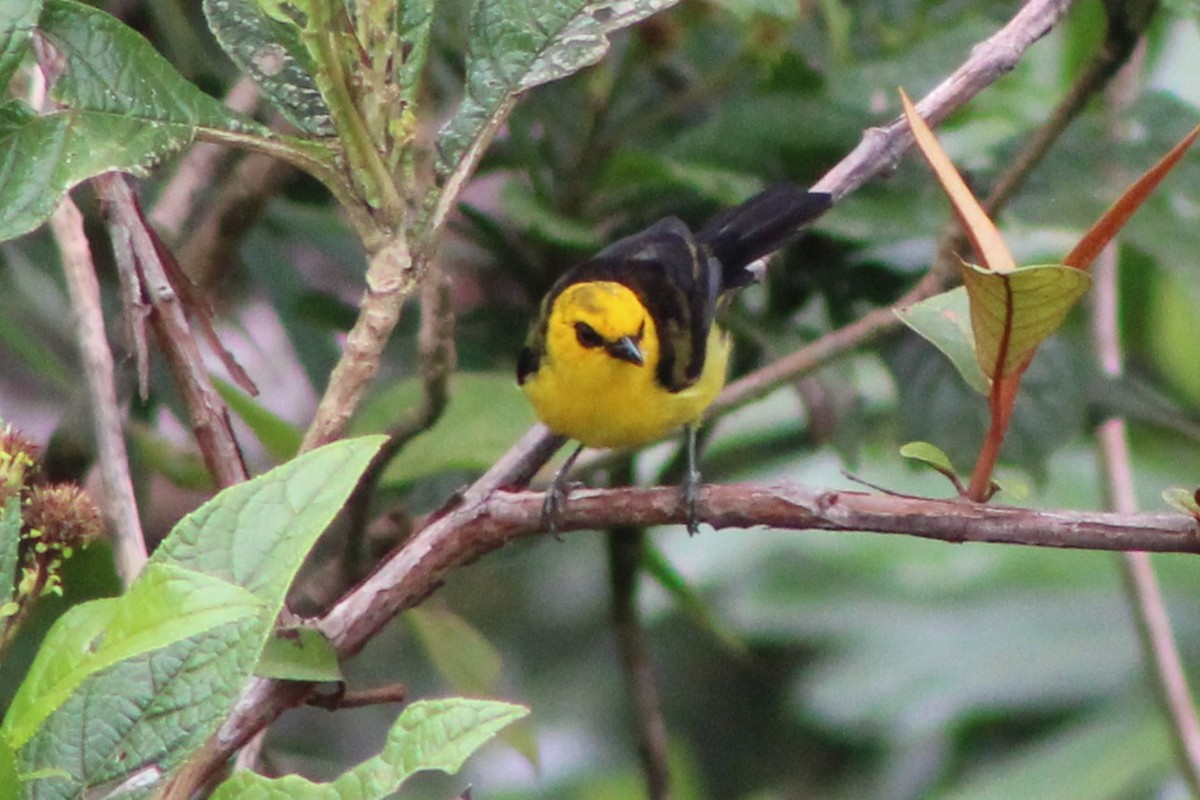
column 554, row 504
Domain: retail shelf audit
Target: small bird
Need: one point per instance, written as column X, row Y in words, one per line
column 625, row 349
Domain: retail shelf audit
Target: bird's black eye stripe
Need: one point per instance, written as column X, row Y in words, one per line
column 587, row 335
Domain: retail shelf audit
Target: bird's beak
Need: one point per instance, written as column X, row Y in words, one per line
column 626, row 349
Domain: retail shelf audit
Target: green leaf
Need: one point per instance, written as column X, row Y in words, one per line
column 110, row 67
column 932, row 456
column 462, row 656
column 272, row 54
column 299, row 654
column 166, row 604
column 280, row 438
column 1013, row 312
column 944, row 320
column 515, row 46
column 430, row 734
column 126, row 109
column 486, row 414
column 10, row 539
column 143, row 716
column 17, row 20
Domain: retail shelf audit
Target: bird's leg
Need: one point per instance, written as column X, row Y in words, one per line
column 691, row 481
column 556, row 494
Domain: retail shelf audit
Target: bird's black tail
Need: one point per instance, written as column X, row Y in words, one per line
column 740, row 235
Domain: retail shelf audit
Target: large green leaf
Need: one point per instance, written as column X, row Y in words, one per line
column 125, row 108
column 152, row 681
column 166, row 604
column 17, row 19
column 270, row 51
column 516, row 45
column 430, row 734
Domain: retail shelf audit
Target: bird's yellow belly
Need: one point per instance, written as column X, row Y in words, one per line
column 610, row 403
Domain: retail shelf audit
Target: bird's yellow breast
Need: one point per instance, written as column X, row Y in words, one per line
column 587, row 394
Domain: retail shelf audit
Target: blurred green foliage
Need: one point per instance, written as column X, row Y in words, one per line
column 866, row 666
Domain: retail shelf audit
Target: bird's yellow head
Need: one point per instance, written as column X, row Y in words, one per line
column 601, row 326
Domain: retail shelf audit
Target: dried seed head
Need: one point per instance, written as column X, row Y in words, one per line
column 62, row 516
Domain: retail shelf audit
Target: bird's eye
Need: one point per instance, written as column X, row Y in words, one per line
column 587, row 335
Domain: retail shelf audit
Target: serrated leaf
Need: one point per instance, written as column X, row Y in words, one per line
column 516, row 45
column 429, row 735
column 944, row 320
column 1182, row 499
column 110, row 67
column 126, row 108
column 299, row 654
column 979, row 227
column 44, row 157
column 17, row 19
column 145, row 715
column 459, row 652
column 164, row 605
column 10, row 540
column 1013, row 312
column 280, row 438
column 271, row 53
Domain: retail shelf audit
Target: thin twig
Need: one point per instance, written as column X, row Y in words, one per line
column 129, row 545
column 209, row 415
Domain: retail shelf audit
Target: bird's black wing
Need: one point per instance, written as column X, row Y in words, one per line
column 740, row 235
